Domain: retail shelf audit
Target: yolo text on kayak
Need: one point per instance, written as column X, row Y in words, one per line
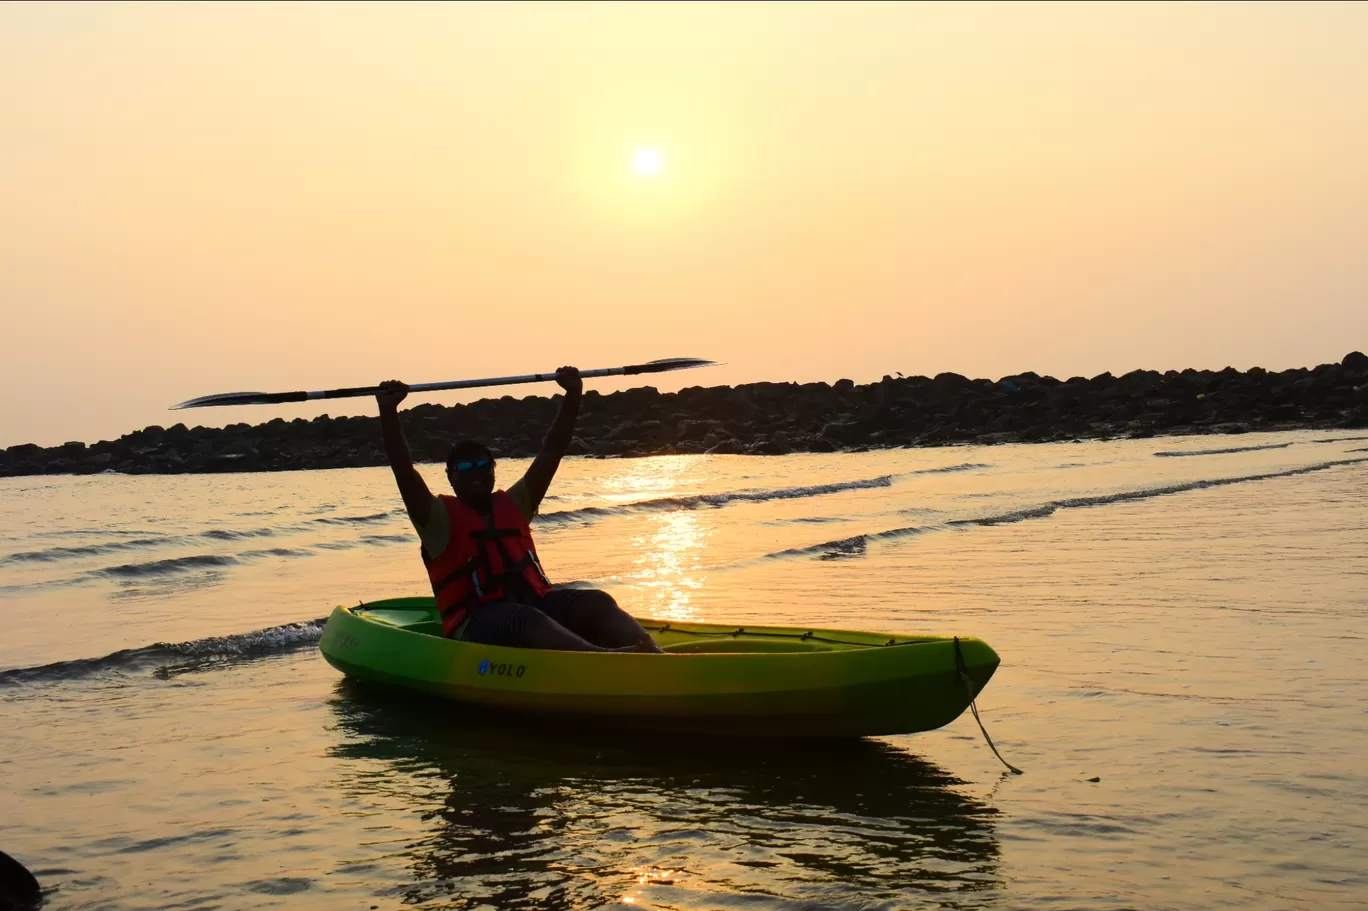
column 502, row 669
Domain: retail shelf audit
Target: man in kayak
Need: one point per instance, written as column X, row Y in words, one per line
column 478, row 547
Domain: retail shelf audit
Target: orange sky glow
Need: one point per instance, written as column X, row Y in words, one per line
column 207, row 198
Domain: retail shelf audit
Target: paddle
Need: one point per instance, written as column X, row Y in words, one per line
column 274, row 398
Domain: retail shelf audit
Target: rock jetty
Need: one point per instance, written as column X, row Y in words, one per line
column 761, row 419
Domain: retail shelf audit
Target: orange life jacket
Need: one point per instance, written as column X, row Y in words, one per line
column 486, row 559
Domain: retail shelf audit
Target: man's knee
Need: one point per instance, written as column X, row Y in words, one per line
column 581, row 600
column 598, row 599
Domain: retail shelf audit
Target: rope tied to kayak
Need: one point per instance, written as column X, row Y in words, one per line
column 808, row 636
column 963, row 670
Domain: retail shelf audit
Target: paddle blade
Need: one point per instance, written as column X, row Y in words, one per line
column 669, row 363
column 242, row 398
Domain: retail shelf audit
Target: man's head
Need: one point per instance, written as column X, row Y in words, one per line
column 470, row 468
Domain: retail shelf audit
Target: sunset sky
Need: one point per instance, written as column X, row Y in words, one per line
column 212, row 198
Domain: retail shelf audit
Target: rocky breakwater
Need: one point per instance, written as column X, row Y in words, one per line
column 761, row 419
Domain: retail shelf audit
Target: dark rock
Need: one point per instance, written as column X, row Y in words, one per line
column 1284, row 412
column 948, row 382
column 840, row 430
column 698, row 429
column 767, row 447
column 19, row 890
column 617, row 432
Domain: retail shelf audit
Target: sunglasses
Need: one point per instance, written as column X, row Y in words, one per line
column 477, row 465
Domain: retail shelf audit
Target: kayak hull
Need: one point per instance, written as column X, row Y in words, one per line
column 714, row 679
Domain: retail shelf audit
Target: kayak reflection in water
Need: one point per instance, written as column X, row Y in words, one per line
column 478, row 547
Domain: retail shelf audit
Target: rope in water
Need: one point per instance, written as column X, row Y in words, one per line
column 969, row 688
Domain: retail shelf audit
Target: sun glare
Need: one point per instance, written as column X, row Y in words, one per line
column 646, row 161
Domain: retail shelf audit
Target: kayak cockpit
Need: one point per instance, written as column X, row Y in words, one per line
column 744, row 644
column 419, row 615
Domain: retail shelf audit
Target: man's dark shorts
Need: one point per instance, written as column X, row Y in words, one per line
column 503, row 622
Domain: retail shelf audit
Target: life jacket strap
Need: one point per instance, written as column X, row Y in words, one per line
column 465, row 569
column 532, row 556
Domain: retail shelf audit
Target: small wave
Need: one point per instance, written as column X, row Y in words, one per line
column 228, row 534
column 277, row 552
column 1174, row 453
column 1342, row 440
column 87, row 550
column 104, row 532
column 145, row 575
column 806, row 520
column 27, row 587
column 179, row 657
column 846, row 547
column 169, row 565
column 357, row 520
column 699, row 501
column 389, row 539
column 148, row 587
column 854, row 546
column 967, row 466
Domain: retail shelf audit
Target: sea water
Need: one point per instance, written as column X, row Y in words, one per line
column 1180, row 623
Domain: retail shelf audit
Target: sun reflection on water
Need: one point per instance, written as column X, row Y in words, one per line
column 659, row 476
column 666, row 557
column 668, row 569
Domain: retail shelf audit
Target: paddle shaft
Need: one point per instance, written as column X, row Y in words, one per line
column 274, row 398
column 452, row 384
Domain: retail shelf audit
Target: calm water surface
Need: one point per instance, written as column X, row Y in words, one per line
column 1179, row 618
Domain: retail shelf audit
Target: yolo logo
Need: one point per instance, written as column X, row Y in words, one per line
column 502, row 669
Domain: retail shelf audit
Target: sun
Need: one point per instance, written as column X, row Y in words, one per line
column 646, row 161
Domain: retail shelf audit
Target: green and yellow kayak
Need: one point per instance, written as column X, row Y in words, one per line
column 714, row 678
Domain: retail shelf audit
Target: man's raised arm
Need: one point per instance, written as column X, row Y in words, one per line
column 412, row 487
column 543, row 469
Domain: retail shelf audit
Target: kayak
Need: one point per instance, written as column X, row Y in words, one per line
column 713, row 678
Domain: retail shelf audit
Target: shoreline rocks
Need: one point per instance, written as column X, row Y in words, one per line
column 760, row 419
